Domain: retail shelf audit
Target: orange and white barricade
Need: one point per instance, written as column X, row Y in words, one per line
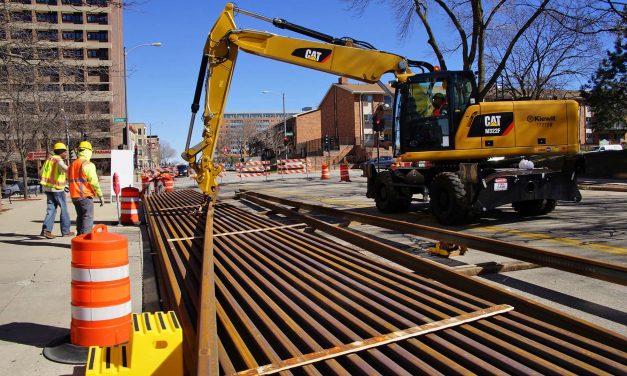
column 101, row 289
column 253, row 169
column 293, row 166
column 129, row 206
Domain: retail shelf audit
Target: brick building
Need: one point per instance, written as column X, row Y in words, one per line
column 344, row 117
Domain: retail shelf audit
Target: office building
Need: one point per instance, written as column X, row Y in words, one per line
column 76, row 50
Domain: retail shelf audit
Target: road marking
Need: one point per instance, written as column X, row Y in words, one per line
column 560, row 240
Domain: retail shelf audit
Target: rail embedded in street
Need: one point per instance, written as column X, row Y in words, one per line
column 282, row 294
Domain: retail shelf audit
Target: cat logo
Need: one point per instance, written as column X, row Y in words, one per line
column 492, row 121
column 318, row 55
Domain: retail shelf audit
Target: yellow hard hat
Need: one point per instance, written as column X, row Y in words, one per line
column 85, row 145
column 60, row 146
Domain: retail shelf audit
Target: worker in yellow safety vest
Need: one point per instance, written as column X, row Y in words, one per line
column 53, row 183
column 84, row 187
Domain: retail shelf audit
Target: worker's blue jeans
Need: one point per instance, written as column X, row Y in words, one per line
column 54, row 200
column 84, row 215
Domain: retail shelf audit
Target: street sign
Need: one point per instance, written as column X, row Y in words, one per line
column 119, row 120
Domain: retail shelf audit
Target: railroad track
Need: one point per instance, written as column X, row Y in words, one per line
column 294, row 301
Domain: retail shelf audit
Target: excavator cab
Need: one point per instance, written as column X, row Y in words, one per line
column 428, row 109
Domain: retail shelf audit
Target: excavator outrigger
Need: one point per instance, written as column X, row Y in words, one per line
column 446, row 148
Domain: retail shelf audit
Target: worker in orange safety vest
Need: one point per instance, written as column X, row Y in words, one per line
column 53, row 184
column 84, row 188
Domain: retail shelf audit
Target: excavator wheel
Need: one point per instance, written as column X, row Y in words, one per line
column 387, row 197
column 534, row 207
column 448, row 199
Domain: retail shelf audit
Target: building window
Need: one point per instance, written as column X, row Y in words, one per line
column 100, row 18
column 23, row 16
column 73, row 87
column 49, row 2
column 76, row 35
column 49, row 35
column 21, row 1
column 101, row 36
column 48, row 53
column 76, row 18
column 76, row 54
column 23, row 35
column 25, row 53
column 101, row 53
column 50, row 17
column 100, row 3
column 99, row 87
column 72, row 2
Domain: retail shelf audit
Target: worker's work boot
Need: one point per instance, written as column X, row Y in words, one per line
column 48, row 235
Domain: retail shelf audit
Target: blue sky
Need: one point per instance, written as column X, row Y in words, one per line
column 161, row 81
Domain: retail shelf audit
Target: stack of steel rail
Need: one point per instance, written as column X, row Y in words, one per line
column 298, row 302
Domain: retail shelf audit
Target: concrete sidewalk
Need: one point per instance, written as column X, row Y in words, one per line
column 35, row 284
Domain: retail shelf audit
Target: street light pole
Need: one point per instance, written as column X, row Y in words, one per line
column 284, row 126
column 67, row 135
column 150, row 145
column 125, row 135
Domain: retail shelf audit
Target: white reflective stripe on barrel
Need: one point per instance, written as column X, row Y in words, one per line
column 102, row 313
column 129, row 199
column 129, row 211
column 100, row 275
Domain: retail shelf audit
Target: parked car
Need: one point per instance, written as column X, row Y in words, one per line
column 182, row 170
column 229, row 167
column 12, row 187
column 382, row 162
column 608, row 147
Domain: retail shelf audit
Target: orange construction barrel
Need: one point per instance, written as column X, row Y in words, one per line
column 146, row 184
column 325, row 172
column 129, row 206
column 101, row 289
column 344, row 173
column 168, row 181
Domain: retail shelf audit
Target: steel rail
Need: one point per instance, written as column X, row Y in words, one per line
column 436, row 271
column 615, row 273
column 281, row 294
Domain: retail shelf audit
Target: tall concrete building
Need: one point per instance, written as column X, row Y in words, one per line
column 85, row 36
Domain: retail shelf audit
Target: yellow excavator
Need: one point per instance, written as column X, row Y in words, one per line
column 464, row 155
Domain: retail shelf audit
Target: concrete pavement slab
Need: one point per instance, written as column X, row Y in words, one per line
column 35, row 277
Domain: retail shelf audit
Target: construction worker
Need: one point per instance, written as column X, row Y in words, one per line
column 53, row 183
column 84, row 188
column 439, row 105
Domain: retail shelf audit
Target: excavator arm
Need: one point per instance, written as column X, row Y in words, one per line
column 338, row 56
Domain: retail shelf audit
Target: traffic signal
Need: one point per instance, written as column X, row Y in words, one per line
column 286, row 140
column 378, row 124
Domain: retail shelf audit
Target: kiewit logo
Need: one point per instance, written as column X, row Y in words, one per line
column 532, row 118
column 319, row 55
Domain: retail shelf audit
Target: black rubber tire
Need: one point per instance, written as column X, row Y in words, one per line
column 534, row 207
column 387, row 197
column 448, row 199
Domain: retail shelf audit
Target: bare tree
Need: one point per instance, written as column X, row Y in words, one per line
column 547, row 58
column 40, row 86
column 474, row 20
column 167, row 152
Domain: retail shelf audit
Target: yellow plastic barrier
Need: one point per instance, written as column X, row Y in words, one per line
column 155, row 348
